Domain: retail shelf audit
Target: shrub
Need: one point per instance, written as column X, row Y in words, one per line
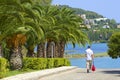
column 57, row 62
column 66, row 62
column 34, row 63
column 50, row 63
column 44, row 63
column 3, row 67
column 61, row 62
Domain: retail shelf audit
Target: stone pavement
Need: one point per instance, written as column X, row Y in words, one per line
column 69, row 73
column 80, row 74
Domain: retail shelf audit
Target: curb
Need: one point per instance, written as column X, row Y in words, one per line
column 39, row 74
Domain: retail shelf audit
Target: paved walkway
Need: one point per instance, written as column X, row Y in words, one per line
column 69, row 73
column 38, row 74
column 80, row 74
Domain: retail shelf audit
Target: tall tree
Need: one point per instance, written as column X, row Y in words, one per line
column 70, row 29
column 11, row 19
column 14, row 43
column 38, row 8
column 61, row 28
column 47, row 19
column 18, row 18
column 113, row 45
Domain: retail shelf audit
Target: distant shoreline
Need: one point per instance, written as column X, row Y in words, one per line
column 83, row 55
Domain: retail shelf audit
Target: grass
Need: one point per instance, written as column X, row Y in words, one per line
column 11, row 73
column 15, row 72
column 83, row 55
column 101, row 55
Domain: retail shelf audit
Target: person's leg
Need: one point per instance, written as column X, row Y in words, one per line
column 87, row 66
column 90, row 64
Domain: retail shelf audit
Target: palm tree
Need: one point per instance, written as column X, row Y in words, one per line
column 16, row 24
column 65, row 26
column 46, row 12
column 70, row 31
column 36, row 37
column 8, row 16
column 34, row 34
column 14, row 43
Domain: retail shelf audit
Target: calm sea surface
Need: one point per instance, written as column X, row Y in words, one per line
column 100, row 62
column 96, row 47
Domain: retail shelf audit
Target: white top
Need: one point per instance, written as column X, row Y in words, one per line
column 89, row 52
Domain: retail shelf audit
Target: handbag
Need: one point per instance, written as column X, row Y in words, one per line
column 93, row 67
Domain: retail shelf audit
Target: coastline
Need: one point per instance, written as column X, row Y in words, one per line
column 83, row 55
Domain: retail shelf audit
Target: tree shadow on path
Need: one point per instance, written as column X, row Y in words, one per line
column 117, row 72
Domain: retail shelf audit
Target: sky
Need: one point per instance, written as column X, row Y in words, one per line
column 107, row 8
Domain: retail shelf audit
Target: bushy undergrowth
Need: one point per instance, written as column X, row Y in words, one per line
column 3, row 67
column 34, row 64
column 44, row 63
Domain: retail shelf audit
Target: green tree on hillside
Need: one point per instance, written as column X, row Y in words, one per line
column 114, row 45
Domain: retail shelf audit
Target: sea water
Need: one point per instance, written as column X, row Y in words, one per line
column 96, row 47
column 100, row 62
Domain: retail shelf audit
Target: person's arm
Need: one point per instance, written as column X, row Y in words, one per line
column 92, row 56
column 85, row 55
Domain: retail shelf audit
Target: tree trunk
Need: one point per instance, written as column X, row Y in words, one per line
column 1, row 54
column 30, row 52
column 41, row 50
column 62, row 49
column 53, row 49
column 57, row 50
column 16, row 58
column 50, row 50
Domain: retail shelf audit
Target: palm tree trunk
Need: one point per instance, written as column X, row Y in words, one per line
column 53, row 49
column 41, row 50
column 50, row 50
column 30, row 52
column 1, row 54
column 16, row 58
column 57, row 50
column 62, row 49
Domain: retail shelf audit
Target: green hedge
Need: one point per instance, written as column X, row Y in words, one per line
column 66, row 62
column 34, row 63
column 50, row 63
column 61, row 62
column 58, row 62
column 44, row 63
column 3, row 67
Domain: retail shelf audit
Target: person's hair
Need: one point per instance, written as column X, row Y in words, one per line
column 88, row 46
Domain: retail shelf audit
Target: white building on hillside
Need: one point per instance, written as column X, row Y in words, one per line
column 100, row 19
column 118, row 26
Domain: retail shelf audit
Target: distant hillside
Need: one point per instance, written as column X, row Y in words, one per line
column 100, row 28
column 93, row 15
column 89, row 14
